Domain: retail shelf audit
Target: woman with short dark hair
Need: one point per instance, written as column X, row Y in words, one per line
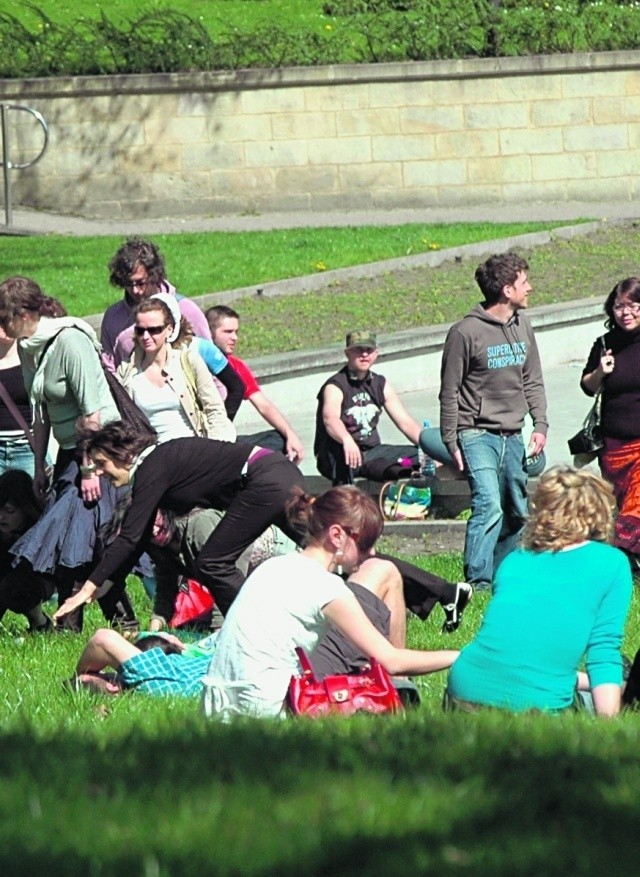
column 613, row 368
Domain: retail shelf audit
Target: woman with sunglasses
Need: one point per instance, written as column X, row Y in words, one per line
column 612, row 368
column 168, row 380
column 65, row 381
column 294, row 600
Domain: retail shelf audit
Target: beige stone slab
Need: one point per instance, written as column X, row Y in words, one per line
column 632, row 80
column 340, row 150
column 399, row 94
column 383, row 120
column 613, row 110
column 610, row 189
column 237, row 182
column 465, row 144
column 563, row 167
column 209, row 103
column 460, row 196
column 424, row 174
column 617, row 164
column 534, row 191
column 547, row 113
column 142, row 159
column 431, row 119
column 492, row 171
column 313, row 179
column 238, row 128
column 338, row 97
column 524, row 88
column 207, row 156
column 417, row 198
column 195, row 185
column 298, row 126
column 634, row 136
column 283, row 153
column 185, row 129
column 351, row 200
column 496, row 116
column 465, row 91
column 402, row 148
column 376, row 175
column 592, row 84
column 282, row 202
column 286, row 100
column 582, row 138
column 530, row 141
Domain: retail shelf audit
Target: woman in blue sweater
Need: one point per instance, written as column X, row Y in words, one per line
column 564, row 595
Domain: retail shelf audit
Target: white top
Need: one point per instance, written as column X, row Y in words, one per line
column 279, row 607
column 162, row 407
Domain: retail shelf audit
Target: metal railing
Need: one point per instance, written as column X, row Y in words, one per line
column 7, row 164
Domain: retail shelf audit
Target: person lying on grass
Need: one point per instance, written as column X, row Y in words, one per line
column 291, row 601
column 162, row 664
column 154, row 664
column 563, row 595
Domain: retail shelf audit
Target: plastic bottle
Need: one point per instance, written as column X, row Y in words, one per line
column 427, row 465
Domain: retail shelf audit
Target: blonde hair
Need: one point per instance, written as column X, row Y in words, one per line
column 569, row 506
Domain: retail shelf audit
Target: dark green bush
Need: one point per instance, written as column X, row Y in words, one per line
column 365, row 31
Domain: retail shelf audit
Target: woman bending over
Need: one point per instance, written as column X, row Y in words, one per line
column 251, row 483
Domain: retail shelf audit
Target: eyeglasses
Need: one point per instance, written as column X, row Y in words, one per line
column 631, row 308
column 137, row 284
column 152, row 330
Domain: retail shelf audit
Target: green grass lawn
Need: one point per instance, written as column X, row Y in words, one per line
column 218, row 16
column 74, row 269
column 137, row 785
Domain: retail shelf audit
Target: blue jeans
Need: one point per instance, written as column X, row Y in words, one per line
column 432, row 444
column 495, row 468
column 16, row 454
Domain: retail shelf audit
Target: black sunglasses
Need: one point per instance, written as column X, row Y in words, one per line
column 152, row 330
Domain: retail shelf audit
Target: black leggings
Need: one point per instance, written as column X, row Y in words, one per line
column 259, row 502
column 422, row 589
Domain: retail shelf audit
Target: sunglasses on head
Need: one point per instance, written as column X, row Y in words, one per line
column 152, row 330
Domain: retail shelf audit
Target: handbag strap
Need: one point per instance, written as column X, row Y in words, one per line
column 19, row 419
column 305, row 664
column 395, row 503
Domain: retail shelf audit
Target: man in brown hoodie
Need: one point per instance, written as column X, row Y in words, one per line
column 491, row 378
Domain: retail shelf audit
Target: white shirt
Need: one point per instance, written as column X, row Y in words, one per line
column 279, row 607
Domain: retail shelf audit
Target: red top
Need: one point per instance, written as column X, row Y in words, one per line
column 245, row 374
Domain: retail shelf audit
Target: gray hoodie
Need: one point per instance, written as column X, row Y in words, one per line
column 491, row 376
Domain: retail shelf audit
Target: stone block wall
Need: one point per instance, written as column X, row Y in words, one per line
column 450, row 133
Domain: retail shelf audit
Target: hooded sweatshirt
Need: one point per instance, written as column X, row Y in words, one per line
column 491, row 376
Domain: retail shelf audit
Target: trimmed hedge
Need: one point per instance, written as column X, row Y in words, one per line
column 360, row 31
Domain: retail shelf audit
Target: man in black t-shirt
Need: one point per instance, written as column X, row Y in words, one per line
column 347, row 443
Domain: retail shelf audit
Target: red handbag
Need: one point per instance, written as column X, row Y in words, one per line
column 193, row 603
column 370, row 691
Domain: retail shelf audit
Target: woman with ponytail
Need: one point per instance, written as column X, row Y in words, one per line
column 293, row 600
